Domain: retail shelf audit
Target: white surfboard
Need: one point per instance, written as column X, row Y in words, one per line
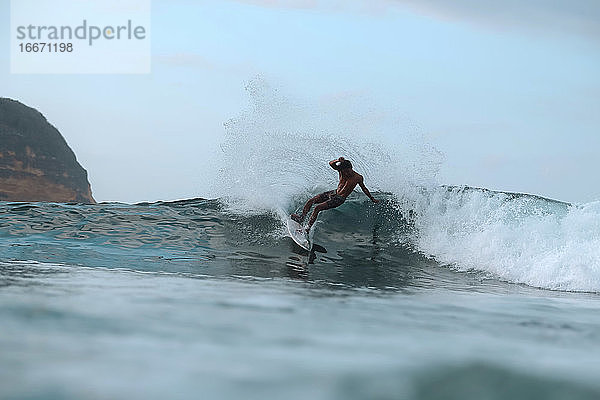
column 297, row 234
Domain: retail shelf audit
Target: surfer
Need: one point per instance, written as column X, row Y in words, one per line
column 334, row 198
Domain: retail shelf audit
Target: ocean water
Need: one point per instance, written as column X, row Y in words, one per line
column 437, row 292
column 467, row 294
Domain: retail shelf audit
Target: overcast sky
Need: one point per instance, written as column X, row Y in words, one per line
column 509, row 91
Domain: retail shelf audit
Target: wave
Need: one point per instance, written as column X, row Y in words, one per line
column 274, row 157
column 356, row 245
column 517, row 237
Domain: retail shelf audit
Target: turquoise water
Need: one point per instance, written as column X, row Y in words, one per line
column 194, row 299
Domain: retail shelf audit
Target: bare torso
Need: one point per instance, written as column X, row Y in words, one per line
column 347, row 183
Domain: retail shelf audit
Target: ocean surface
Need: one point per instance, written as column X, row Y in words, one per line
column 451, row 293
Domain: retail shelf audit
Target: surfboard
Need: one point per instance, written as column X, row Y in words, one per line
column 297, row 234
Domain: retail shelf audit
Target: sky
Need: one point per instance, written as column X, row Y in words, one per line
column 508, row 91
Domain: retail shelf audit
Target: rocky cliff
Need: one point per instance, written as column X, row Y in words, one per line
column 36, row 163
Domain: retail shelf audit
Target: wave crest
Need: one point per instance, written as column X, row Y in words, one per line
column 519, row 238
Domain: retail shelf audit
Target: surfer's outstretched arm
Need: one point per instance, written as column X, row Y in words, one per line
column 366, row 191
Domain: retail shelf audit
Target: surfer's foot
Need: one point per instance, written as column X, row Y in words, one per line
column 297, row 218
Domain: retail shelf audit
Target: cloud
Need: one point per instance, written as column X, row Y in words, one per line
column 357, row 6
column 581, row 17
column 191, row 60
column 285, row 3
column 561, row 16
column 195, row 61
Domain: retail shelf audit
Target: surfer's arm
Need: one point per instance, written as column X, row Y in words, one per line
column 333, row 165
column 366, row 191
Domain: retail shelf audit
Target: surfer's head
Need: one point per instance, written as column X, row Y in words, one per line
column 343, row 164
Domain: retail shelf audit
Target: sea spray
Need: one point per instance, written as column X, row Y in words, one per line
column 518, row 238
column 276, row 152
column 275, row 156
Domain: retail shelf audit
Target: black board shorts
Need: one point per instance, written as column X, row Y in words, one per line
column 331, row 198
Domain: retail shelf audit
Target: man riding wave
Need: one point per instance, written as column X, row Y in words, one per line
column 334, row 198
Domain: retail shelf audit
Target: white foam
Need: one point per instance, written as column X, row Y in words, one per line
column 276, row 152
column 276, row 155
column 519, row 239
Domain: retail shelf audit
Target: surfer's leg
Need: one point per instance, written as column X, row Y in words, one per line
column 320, row 207
column 333, row 201
column 320, row 198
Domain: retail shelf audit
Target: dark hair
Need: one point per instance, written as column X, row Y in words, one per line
column 345, row 164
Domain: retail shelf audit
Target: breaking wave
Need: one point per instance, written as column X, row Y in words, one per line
column 275, row 156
